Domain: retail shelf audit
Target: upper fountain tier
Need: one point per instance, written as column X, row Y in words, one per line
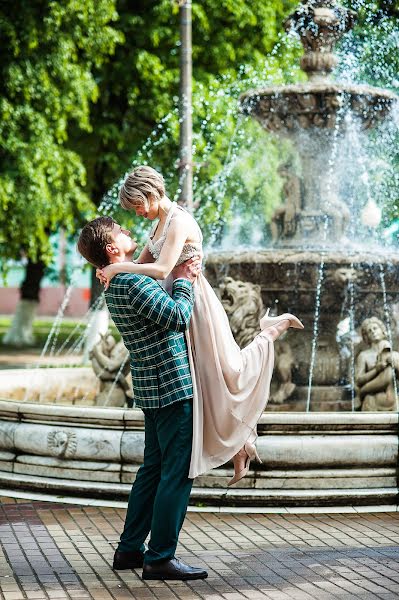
column 289, row 110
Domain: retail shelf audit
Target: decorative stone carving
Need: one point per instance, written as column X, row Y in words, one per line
column 343, row 275
column 62, row 443
column 283, row 365
column 293, row 109
column 243, row 304
column 377, row 368
column 320, row 24
column 110, row 362
column 289, row 280
column 89, row 443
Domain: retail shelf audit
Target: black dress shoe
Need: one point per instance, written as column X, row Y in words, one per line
column 172, row 569
column 128, row 560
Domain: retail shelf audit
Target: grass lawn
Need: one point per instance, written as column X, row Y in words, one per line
column 70, row 330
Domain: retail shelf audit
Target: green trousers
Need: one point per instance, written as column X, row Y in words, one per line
column 159, row 496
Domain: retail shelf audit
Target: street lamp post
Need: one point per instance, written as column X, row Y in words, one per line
column 185, row 113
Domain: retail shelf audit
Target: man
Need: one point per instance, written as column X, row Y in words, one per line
column 152, row 325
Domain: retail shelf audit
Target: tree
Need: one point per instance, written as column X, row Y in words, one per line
column 136, row 93
column 49, row 52
column 139, row 88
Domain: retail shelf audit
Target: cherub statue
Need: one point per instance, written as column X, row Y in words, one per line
column 376, row 369
column 284, row 220
column 110, row 362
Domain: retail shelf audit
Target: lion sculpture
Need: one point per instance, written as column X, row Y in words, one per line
column 244, row 307
column 243, row 304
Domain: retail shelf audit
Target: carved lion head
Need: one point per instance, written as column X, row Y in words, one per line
column 243, row 304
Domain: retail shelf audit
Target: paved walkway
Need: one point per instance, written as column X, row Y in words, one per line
column 54, row 551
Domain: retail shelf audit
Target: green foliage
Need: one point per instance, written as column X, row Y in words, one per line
column 369, row 54
column 374, row 44
column 90, row 88
column 49, row 51
column 85, row 84
column 70, row 333
column 139, row 102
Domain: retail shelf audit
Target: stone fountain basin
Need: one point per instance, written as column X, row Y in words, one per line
column 308, row 459
column 291, row 108
column 59, row 385
column 289, row 277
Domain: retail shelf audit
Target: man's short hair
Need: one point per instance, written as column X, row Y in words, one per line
column 93, row 239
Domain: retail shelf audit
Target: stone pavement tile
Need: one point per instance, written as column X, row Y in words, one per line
column 277, row 595
column 328, row 587
column 300, row 557
column 253, row 594
column 100, row 594
column 390, row 586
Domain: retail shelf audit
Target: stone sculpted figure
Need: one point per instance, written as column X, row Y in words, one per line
column 110, row 362
column 376, row 369
column 337, row 212
column 284, row 364
column 284, row 220
column 243, row 304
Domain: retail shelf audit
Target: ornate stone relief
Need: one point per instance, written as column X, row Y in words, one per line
column 62, row 443
column 243, row 304
column 320, row 24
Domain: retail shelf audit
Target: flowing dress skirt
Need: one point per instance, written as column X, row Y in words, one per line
column 231, row 386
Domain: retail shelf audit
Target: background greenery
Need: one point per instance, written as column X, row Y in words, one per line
column 89, row 89
column 70, row 331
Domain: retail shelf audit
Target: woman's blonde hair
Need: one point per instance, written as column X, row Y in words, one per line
column 138, row 185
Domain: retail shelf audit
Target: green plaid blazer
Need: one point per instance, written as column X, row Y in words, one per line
column 152, row 325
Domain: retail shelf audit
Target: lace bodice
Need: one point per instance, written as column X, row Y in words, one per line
column 190, row 249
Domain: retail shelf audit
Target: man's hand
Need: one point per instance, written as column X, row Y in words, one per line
column 188, row 270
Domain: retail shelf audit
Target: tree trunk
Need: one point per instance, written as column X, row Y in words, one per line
column 20, row 333
column 99, row 320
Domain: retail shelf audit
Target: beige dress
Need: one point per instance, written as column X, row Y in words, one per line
column 231, row 386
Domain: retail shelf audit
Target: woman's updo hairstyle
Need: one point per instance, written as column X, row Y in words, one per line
column 138, row 185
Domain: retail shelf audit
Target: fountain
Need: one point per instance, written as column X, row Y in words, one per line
column 309, row 457
column 314, row 260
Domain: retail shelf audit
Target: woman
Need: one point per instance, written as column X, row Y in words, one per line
column 231, row 386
